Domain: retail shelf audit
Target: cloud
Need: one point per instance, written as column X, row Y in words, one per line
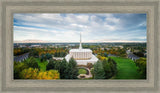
column 66, row 27
column 143, row 24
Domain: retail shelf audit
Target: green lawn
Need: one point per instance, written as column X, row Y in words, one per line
column 42, row 64
column 82, row 71
column 126, row 69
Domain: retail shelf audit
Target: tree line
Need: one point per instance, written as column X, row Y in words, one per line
column 104, row 69
column 67, row 70
column 37, row 52
column 29, row 69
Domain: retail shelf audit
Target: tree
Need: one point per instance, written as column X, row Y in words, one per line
column 72, row 69
column 98, row 71
column 18, row 67
column 57, row 65
column 32, row 73
column 50, row 65
column 101, row 57
column 110, row 68
column 31, row 62
column 48, row 75
column 113, row 65
column 107, row 69
column 141, row 64
column 34, row 53
column 105, row 54
column 42, row 57
column 64, row 69
column 29, row 73
column 46, row 56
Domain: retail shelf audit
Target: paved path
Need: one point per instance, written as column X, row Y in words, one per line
column 85, row 75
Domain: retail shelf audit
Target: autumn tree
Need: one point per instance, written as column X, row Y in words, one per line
column 32, row 73
column 29, row 73
column 48, row 75
column 101, row 57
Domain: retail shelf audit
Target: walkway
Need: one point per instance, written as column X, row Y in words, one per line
column 85, row 75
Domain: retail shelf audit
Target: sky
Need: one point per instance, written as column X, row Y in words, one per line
column 98, row 27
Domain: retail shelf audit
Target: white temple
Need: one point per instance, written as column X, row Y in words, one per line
column 82, row 56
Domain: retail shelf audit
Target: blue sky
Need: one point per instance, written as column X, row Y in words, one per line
column 56, row 27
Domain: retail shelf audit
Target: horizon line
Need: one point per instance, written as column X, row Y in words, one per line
column 83, row 42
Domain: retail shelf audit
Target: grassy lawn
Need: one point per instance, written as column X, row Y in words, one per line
column 126, row 69
column 82, row 71
column 42, row 64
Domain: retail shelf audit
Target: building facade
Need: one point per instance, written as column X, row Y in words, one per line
column 82, row 56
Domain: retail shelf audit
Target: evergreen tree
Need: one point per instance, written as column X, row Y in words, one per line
column 50, row 65
column 64, row 69
column 141, row 64
column 72, row 69
column 113, row 66
column 98, row 71
column 18, row 67
column 110, row 68
column 46, row 56
column 57, row 65
column 107, row 69
column 31, row 62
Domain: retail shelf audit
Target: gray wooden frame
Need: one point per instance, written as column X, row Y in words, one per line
column 9, row 7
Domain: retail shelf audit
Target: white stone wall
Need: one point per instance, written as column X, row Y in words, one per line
column 85, row 63
column 93, row 60
column 81, row 55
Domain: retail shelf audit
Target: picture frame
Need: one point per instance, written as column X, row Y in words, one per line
column 9, row 7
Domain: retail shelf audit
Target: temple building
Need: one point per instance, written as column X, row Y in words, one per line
column 82, row 56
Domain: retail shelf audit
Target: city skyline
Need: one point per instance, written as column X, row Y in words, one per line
column 108, row 27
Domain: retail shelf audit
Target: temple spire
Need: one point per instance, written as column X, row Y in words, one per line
column 80, row 44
